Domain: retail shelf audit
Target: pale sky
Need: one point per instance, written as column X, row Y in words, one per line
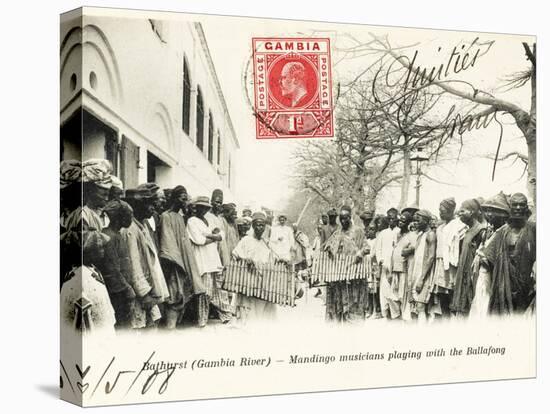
column 263, row 167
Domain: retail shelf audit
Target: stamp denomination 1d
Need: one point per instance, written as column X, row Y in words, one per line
column 292, row 88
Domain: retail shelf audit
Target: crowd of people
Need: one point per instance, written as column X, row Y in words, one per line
column 146, row 258
column 160, row 254
column 474, row 261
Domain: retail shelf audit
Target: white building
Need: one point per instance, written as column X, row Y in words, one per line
column 144, row 94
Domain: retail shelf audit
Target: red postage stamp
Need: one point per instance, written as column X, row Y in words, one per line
column 292, row 88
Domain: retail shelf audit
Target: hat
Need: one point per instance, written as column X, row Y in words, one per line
column 332, row 212
column 116, row 182
column 424, row 213
column 70, row 172
column 259, row 215
column 201, row 201
column 229, row 207
column 115, row 207
column 345, row 208
column 449, row 204
column 152, row 188
column 471, row 204
column 241, row 221
column 499, row 202
column 137, row 194
column 97, row 171
column 217, row 193
column 411, row 209
column 392, row 210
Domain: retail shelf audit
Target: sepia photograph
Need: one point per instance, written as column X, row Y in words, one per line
column 364, row 194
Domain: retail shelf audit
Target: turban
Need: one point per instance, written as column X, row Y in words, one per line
column 449, row 204
column 259, row 215
column 115, row 207
column 392, row 210
column 97, row 171
column 471, row 204
column 498, row 202
column 70, row 172
column 240, row 221
column 115, row 181
column 424, row 214
column 217, row 193
column 142, row 192
column 345, row 208
column 175, row 192
column 149, row 189
column 332, row 212
column 229, row 207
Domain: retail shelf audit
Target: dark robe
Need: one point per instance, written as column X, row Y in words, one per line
column 177, row 259
column 115, row 269
column 512, row 287
column 346, row 298
column 229, row 242
column 463, row 293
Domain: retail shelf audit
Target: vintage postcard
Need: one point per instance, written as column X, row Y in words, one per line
column 253, row 206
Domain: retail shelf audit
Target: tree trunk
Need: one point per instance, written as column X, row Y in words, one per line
column 406, row 181
column 532, row 165
column 370, row 200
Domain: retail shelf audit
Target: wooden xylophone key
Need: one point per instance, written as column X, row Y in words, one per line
column 330, row 268
column 325, row 267
column 350, row 268
column 340, row 271
column 292, row 289
column 270, row 287
column 249, row 274
column 232, row 275
column 262, row 286
column 238, row 268
column 278, row 288
column 229, row 278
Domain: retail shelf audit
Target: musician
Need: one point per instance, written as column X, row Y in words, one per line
column 244, row 224
column 511, row 256
column 345, row 300
column 281, row 239
column 205, row 236
column 254, row 249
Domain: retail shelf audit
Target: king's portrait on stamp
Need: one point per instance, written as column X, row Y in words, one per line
column 292, row 88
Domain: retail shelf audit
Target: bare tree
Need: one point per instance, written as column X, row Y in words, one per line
column 472, row 98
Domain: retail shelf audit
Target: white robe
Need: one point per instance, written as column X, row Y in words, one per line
column 207, row 256
column 282, row 241
column 250, row 248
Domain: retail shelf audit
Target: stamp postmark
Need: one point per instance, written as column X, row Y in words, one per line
column 292, row 88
